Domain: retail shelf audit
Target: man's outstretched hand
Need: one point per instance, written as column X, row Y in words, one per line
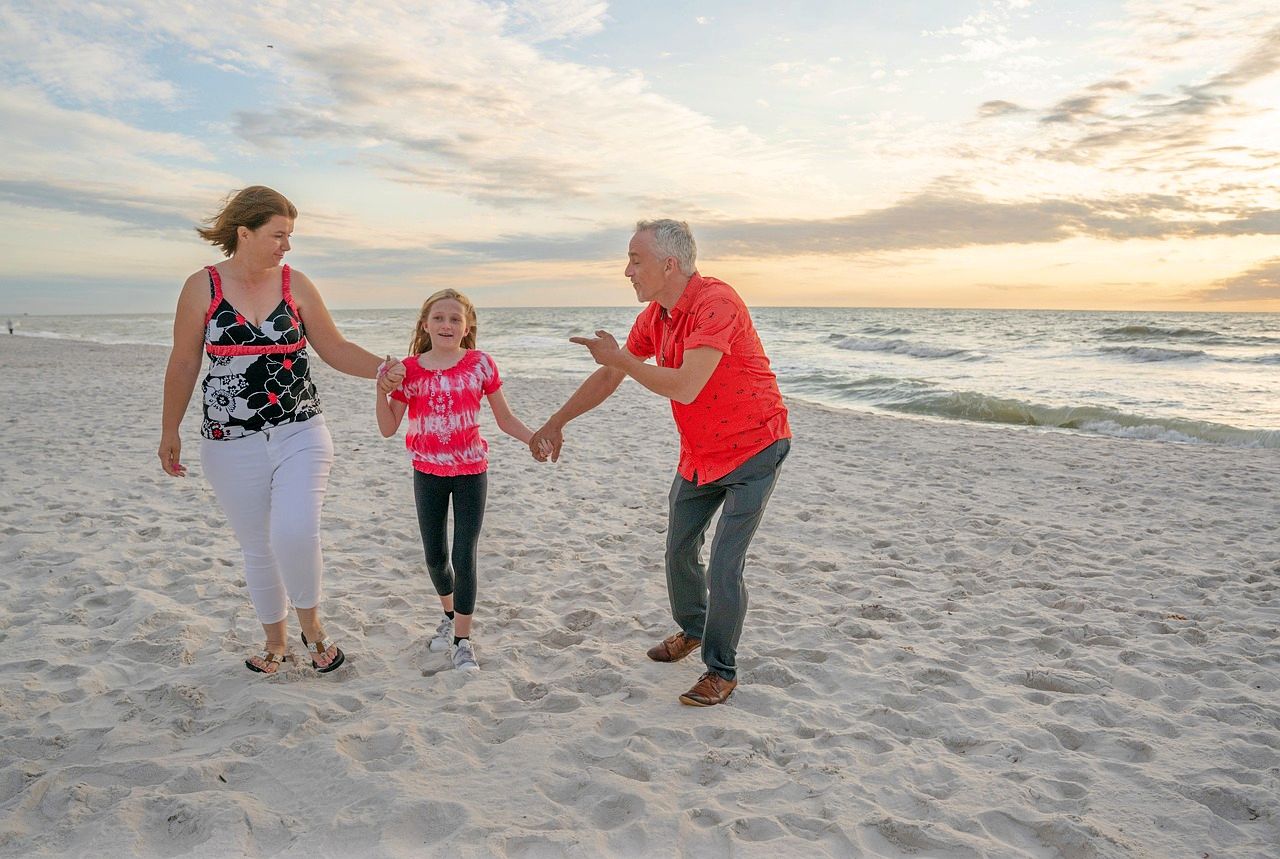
column 603, row 347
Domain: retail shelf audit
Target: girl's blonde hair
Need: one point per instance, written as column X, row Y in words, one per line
column 421, row 341
column 249, row 207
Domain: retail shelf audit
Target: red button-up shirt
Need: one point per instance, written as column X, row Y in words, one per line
column 739, row 411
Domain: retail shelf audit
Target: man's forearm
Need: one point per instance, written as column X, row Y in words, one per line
column 663, row 381
column 595, row 390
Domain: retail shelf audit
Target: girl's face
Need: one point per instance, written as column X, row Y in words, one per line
column 446, row 324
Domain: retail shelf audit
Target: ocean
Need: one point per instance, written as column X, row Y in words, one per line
column 1195, row 378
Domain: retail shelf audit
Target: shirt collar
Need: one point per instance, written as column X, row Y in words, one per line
column 687, row 297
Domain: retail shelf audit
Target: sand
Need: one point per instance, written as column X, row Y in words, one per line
column 962, row 641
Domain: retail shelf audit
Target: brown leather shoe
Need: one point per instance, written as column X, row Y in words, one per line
column 711, row 689
column 673, row 648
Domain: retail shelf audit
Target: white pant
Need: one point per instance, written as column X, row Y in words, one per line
column 271, row 485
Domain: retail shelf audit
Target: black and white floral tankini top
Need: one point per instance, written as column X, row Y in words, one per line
column 258, row 375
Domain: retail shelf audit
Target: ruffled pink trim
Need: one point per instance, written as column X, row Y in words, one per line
column 236, row 350
column 217, row 293
column 457, row 470
column 223, row 351
column 287, row 291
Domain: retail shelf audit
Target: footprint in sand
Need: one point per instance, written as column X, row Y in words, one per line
column 581, row 619
column 1227, row 803
column 559, row 639
column 914, row 838
column 599, row 684
column 875, row 611
column 616, row 811
column 373, row 749
column 529, row 691
column 1066, row 682
column 423, row 823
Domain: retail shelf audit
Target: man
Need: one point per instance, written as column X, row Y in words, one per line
column 733, row 438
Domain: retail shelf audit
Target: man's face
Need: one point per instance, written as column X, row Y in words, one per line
column 646, row 268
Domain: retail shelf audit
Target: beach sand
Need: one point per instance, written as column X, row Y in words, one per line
column 963, row 641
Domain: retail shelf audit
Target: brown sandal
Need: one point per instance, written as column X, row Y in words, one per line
column 321, row 648
column 276, row 659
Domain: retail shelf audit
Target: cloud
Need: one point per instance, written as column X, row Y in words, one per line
column 502, row 181
column 986, row 39
column 999, row 108
column 80, row 162
column 1261, row 61
column 265, row 129
column 66, row 54
column 1111, row 86
column 455, row 98
column 939, row 220
column 600, row 244
column 495, row 127
column 357, row 75
column 1075, row 109
column 1123, row 117
column 124, row 207
column 459, row 98
column 929, row 221
column 457, row 94
column 39, row 133
column 1259, row 283
column 1182, row 98
column 546, row 20
column 344, row 258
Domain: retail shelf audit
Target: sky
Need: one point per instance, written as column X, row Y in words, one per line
column 966, row 153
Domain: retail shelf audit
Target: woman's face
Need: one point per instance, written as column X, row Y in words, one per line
column 269, row 243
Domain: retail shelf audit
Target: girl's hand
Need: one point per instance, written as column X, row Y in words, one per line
column 390, row 375
column 546, row 443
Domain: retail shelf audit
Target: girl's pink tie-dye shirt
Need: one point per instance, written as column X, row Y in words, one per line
column 444, row 414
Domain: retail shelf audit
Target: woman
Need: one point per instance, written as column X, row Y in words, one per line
column 265, row 448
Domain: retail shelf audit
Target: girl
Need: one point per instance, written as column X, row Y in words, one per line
column 266, row 449
column 443, row 382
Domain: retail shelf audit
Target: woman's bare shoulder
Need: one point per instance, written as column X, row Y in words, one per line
column 199, row 276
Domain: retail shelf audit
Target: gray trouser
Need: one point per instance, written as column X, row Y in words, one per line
column 710, row 601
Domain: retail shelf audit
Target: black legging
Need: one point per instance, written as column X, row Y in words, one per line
column 432, row 496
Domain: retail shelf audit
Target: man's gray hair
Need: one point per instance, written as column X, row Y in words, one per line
column 674, row 239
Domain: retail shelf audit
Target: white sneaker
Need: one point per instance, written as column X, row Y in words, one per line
column 443, row 637
column 464, row 657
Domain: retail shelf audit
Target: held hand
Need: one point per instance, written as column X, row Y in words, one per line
column 390, row 375
column 546, row 442
column 603, row 347
column 171, row 455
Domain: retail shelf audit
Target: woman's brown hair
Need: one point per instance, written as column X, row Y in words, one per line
column 250, row 208
column 421, row 341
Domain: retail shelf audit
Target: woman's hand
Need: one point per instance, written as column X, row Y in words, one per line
column 171, row 455
column 390, row 375
column 183, row 368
